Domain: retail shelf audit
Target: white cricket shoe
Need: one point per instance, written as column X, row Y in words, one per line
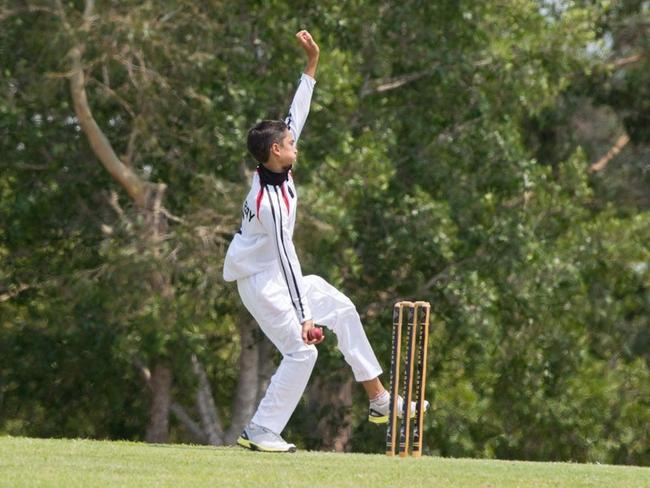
column 258, row 438
column 378, row 412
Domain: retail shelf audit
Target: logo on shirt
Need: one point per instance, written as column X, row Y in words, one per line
column 247, row 213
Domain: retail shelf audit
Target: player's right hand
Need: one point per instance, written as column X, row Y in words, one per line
column 308, row 44
column 309, row 324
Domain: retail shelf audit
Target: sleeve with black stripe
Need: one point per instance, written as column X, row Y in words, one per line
column 299, row 109
column 275, row 221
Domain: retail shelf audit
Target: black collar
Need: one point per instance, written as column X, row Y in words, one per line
column 268, row 177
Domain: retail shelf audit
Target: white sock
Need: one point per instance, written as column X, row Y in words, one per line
column 381, row 399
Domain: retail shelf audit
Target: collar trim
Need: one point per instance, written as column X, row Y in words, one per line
column 268, row 177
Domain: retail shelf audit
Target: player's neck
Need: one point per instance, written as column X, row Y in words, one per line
column 274, row 166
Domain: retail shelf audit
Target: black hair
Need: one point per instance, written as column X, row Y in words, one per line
column 262, row 136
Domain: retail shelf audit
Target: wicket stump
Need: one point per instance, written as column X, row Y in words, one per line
column 415, row 370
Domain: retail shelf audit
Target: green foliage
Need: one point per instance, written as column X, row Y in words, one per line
column 437, row 164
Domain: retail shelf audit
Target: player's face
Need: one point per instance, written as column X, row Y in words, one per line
column 288, row 150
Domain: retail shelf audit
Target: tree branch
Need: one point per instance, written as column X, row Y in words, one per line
column 98, row 141
column 374, row 308
column 622, row 62
column 205, row 403
column 62, row 15
column 5, row 14
column 386, row 84
column 109, row 91
column 130, row 147
column 620, row 143
column 181, row 414
column 13, row 293
column 192, row 427
column 88, row 13
column 31, row 167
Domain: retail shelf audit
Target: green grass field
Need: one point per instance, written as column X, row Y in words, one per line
column 49, row 462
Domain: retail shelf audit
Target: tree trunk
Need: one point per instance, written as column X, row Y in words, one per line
column 265, row 365
column 161, row 382
column 210, row 421
column 331, row 403
column 148, row 199
column 194, row 429
column 244, row 402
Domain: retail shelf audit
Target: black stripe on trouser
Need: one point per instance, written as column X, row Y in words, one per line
column 277, row 243
column 293, row 276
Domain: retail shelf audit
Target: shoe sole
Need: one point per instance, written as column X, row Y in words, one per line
column 247, row 444
column 378, row 420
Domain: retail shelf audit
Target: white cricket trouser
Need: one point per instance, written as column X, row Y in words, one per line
column 266, row 297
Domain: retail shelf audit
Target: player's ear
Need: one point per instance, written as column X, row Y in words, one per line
column 275, row 148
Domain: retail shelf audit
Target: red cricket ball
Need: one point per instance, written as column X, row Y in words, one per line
column 315, row 334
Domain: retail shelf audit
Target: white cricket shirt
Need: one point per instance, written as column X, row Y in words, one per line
column 269, row 216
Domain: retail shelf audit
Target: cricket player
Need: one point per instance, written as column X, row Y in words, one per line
column 263, row 261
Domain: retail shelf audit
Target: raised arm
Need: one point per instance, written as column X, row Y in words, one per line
column 311, row 50
column 299, row 109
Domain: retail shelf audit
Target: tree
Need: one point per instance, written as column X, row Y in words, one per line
column 439, row 162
